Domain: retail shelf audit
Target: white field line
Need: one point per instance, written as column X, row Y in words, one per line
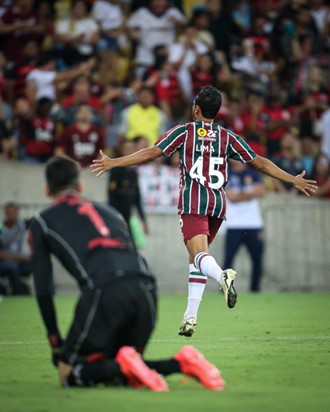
column 238, row 339
column 225, row 339
column 37, row 342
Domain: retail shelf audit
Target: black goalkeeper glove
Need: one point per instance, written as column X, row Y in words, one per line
column 55, row 342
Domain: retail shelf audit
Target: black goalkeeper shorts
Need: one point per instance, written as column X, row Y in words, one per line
column 122, row 312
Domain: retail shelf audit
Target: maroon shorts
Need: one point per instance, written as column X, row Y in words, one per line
column 192, row 225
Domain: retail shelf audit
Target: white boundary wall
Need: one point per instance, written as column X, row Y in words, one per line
column 297, row 233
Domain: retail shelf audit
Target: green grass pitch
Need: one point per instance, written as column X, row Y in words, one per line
column 273, row 351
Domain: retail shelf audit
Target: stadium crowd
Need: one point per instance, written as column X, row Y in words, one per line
column 78, row 76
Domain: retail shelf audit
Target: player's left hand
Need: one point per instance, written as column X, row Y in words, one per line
column 308, row 187
column 55, row 342
column 99, row 166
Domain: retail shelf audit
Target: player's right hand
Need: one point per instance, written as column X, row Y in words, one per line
column 99, row 166
column 56, row 343
column 308, row 187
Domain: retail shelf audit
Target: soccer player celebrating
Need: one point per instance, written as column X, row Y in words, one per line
column 204, row 149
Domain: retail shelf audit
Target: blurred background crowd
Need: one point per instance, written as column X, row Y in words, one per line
column 79, row 76
column 82, row 75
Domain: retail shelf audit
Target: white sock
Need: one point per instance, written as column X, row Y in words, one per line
column 196, row 286
column 208, row 266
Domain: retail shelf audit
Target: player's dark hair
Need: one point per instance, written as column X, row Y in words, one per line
column 209, row 100
column 61, row 173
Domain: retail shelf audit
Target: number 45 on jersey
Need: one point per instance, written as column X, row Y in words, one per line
column 196, row 172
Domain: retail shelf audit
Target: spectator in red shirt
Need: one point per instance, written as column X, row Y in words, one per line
column 232, row 118
column 254, row 122
column 203, row 72
column 81, row 94
column 258, row 35
column 168, row 93
column 38, row 134
column 278, row 120
column 20, row 71
column 312, row 100
column 18, row 25
column 82, row 140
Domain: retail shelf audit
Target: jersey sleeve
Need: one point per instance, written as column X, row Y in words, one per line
column 170, row 141
column 40, row 260
column 238, row 149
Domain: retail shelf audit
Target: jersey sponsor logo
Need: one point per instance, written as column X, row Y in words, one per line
column 203, row 134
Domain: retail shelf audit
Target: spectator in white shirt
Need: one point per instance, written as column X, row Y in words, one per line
column 183, row 54
column 47, row 78
column 109, row 16
column 77, row 35
column 153, row 26
column 321, row 15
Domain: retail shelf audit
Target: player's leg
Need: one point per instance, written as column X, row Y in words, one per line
column 198, row 232
column 190, row 362
column 87, row 374
column 127, row 368
column 84, row 355
column 208, row 265
column 205, row 230
column 196, row 285
column 228, row 275
column 255, row 245
column 107, row 323
column 138, row 298
column 198, row 249
column 190, row 226
column 84, row 339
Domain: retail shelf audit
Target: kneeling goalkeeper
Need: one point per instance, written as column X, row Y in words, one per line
column 116, row 311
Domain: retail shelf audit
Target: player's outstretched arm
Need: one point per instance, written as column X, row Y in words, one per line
column 269, row 168
column 100, row 166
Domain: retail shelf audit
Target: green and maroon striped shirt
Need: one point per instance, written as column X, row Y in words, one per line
column 204, row 149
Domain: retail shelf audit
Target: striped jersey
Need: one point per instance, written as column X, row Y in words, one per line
column 204, row 149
